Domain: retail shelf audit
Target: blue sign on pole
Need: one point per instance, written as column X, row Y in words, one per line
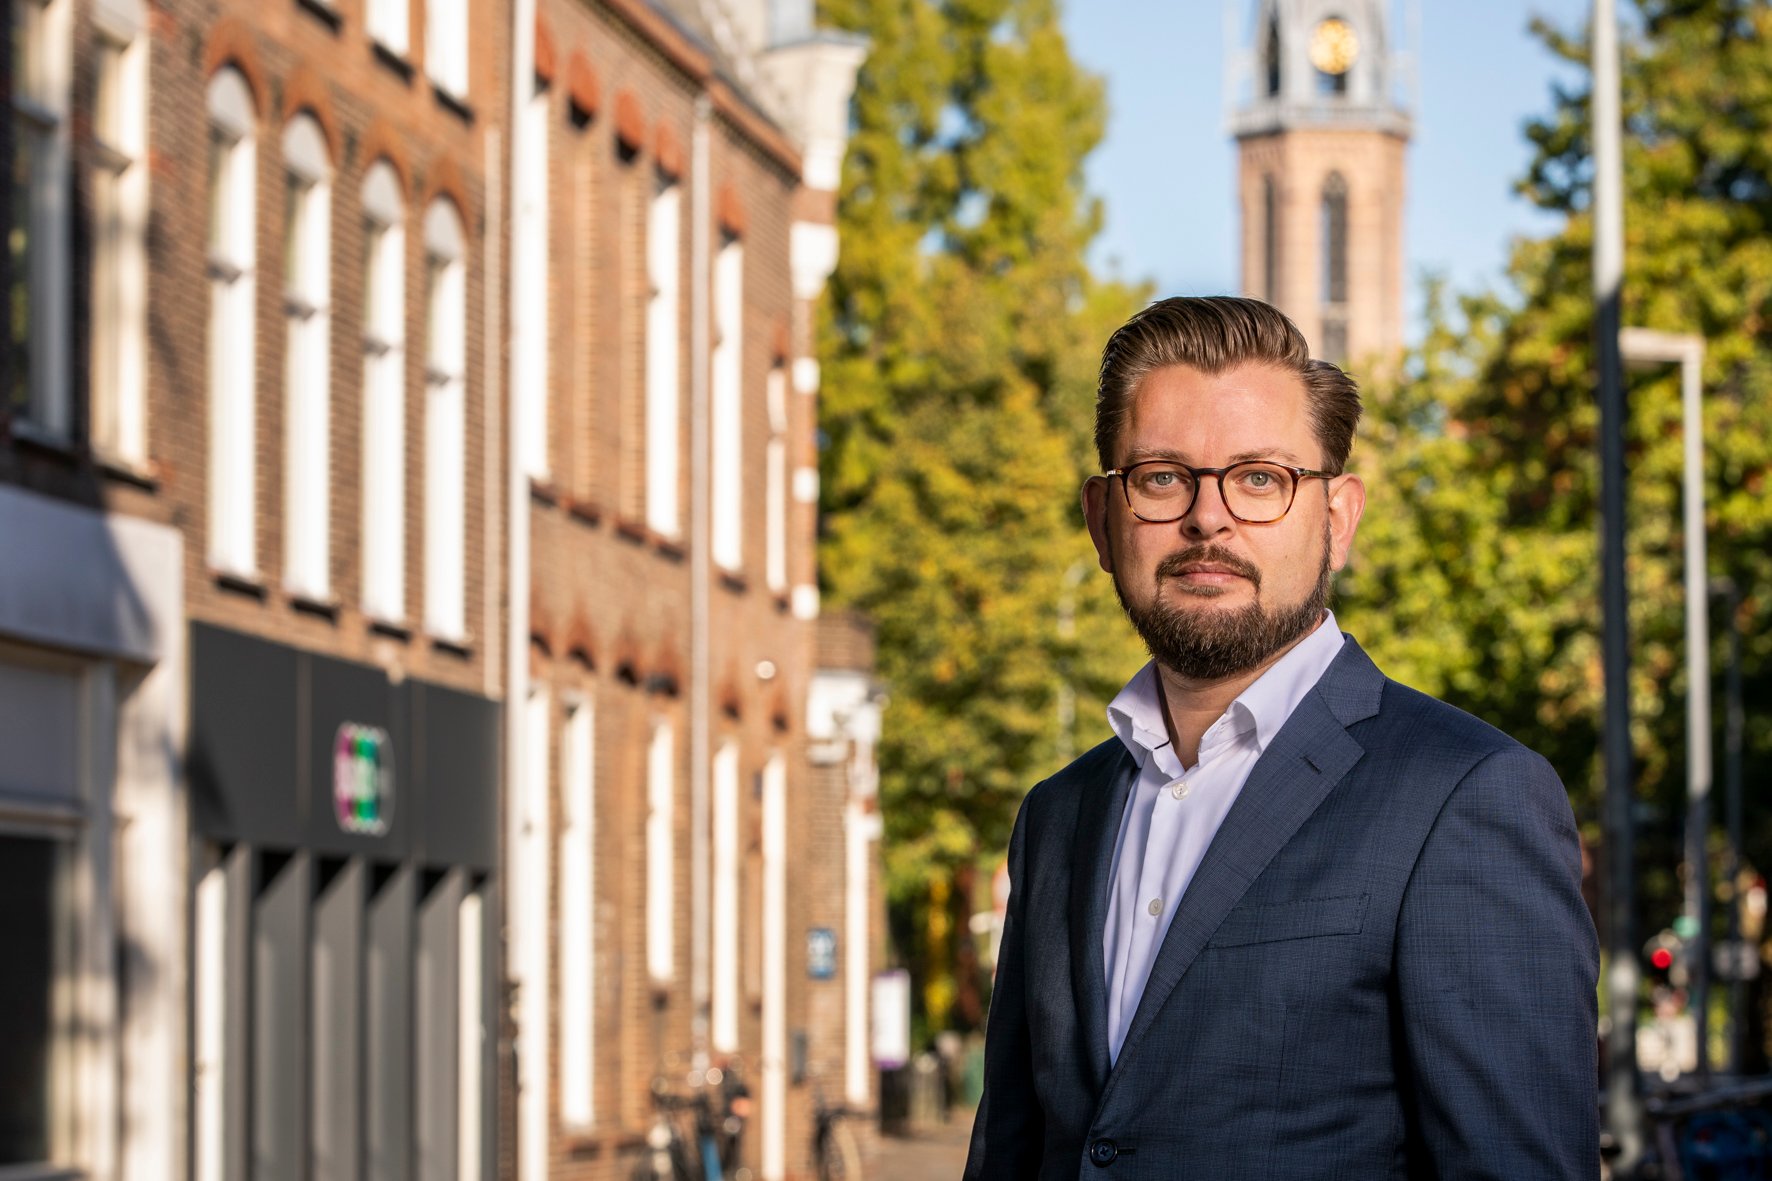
column 821, row 953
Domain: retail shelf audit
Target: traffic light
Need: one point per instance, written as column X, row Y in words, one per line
column 1665, row 958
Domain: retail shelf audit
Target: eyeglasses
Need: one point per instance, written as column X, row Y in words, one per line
column 1256, row 492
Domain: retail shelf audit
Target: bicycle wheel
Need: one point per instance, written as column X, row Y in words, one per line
column 839, row 1156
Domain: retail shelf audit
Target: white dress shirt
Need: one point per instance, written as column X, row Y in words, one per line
column 1174, row 811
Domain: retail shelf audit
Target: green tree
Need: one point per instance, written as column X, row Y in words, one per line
column 958, row 343
column 1477, row 572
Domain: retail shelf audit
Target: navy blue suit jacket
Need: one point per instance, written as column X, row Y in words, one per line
column 1383, row 967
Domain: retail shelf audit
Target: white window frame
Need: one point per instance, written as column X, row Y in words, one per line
column 773, row 1100
column 576, row 937
column 533, row 341
column 40, row 110
column 661, row 894
column 663, row 342
column 775, row 486
column 446, row 46
column 384, row 396
column 307, row 366
column 389, row 23
column 120, row 242
column 529, row 945
column 727, row 890
column 728, row 406
column 446, row 324
column 233, row 278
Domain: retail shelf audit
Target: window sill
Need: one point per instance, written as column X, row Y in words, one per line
column 142, row 474
column 394, row 629
column 393, row 59
column 734, row 580
column 324, row 12
column 461, row 646
column 322, row 605
column 28, row 434
column 542, row 491
column 240, row 582
column 670, row 547
column 455, row 104
column 631, row 530
column 588, row 512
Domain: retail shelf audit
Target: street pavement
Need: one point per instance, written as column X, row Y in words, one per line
column 933, row 1153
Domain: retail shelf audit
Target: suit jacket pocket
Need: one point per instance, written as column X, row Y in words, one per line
column 1304, row 919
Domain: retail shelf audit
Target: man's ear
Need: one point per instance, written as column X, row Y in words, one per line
column 1095, row 510
column 1347, row 502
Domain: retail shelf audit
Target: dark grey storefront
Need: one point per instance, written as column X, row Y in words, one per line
column 344, row 923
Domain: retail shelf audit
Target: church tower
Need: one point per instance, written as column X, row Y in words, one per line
column 1321, row 142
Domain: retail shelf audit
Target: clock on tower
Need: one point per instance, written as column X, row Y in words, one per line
column 1322, row 135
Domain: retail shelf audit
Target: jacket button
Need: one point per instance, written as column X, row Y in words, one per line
column 1102, row 1153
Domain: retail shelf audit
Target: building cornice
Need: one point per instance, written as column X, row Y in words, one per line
column 697, row 65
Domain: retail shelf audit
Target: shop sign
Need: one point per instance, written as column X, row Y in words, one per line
column 821, row 953
column 363, row 779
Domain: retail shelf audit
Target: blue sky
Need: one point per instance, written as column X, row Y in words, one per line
column 1165, row 169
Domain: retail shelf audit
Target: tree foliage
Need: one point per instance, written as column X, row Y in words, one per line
column 1476, row 576
column 958, row 342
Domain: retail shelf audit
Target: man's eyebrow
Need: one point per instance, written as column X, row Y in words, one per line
column 1270, row 453
column 1273, row 454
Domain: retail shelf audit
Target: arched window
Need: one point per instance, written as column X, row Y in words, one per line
column 1270, row 239
column 728, row 405
column 37, row 231
column 384, row 395
column 1335, row 251
column 307, row 316
column 119, row 292
column 233, row 222
column 446, row 324
column 663, row 320
column 1273, row 55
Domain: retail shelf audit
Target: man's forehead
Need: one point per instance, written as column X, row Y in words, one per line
column 1243, row 408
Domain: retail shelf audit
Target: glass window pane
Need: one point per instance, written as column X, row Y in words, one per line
column 18, row 275
column 27, row 931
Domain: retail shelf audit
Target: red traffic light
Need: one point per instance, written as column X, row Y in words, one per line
column 1661, row 958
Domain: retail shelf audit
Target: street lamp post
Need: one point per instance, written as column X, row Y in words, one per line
column 1624, row 1101
column 1645, row 347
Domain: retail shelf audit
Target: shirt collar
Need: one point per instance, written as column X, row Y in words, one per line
column 1136, row 712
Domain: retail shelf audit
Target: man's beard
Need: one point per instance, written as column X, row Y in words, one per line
column 1206, row 645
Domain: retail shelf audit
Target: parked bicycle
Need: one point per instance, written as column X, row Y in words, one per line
column 835, row 1152
column 696, row 1135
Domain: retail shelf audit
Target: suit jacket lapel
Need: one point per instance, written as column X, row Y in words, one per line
column 1103, row 802
column 1306, row 759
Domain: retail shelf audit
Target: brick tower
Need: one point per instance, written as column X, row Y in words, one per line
column 1321, row 139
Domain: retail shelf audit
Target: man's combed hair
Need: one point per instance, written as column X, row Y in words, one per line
column 1213, row 334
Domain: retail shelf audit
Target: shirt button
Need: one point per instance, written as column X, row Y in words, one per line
column 1180, row 789
column 1156, row 907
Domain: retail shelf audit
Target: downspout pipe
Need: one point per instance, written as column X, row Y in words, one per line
column 517, row 539
column 700, row 574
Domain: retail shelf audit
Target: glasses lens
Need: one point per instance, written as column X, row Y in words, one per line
column 1159, row 491
column 1258, row 492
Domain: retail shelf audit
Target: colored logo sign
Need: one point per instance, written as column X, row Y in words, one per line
column 363, row 779
column 821, row 953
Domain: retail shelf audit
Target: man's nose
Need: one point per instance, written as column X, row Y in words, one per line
column 1209, row 515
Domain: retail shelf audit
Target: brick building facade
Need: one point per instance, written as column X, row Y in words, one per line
column 407, row 474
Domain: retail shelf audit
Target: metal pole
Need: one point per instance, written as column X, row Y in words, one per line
column 1698, row 752
column 1624, row 1110
column 1732, row 803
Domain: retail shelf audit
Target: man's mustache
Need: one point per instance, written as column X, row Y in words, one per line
column 1173, row 565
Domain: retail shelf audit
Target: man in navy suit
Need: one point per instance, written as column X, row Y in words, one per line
column 1292, row 920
